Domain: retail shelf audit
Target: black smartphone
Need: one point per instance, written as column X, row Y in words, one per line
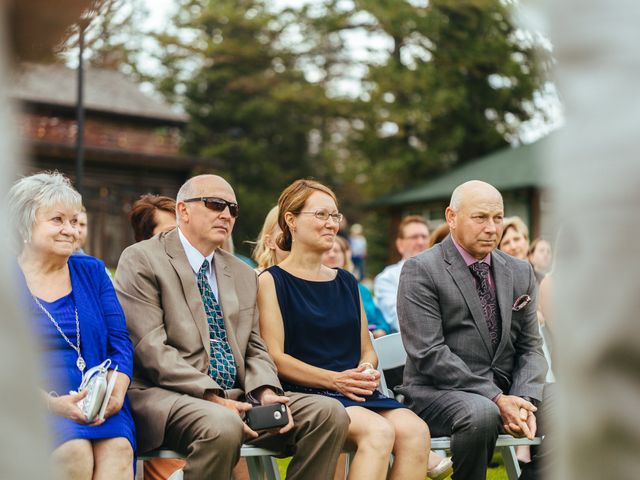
column 266, row 417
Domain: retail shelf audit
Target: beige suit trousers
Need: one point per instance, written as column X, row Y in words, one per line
column 212, row 435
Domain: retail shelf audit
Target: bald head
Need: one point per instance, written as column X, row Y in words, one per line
column 471, row 190
column 198, row 185
column 475, row 217
column 204, row 225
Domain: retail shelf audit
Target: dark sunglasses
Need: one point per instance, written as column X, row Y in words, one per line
column 217, row 204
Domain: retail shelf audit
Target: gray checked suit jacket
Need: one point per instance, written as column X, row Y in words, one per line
column 447, row 338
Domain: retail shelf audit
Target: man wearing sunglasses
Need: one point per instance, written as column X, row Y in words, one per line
column 200, row 363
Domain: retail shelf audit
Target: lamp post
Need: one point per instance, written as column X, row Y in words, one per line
column 84, row 22
column 80, row 108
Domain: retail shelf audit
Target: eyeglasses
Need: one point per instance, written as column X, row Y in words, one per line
column 324, row 215
column 217, row 204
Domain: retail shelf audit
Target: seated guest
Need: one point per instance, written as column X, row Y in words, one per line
column 515, row 238
column 339, row 257
column 83, row 228
column 266, row 251
column 199, row 359
column 413, row 237
column 152, row 214
column 468, row 320
column 77, row 318
column 540, row 258
column 313, row 323
column 438, row 234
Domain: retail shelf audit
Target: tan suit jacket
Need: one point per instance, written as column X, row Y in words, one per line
column 168, row 326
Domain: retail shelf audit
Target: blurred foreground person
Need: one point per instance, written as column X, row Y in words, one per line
column 24, row 443
column 79, row 323
column 596, row 277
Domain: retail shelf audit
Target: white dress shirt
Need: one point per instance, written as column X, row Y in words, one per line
column 196, row 259
column 385, row 287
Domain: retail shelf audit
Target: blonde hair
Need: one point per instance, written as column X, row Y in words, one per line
column 346, row 251
column 264, row 256
column 517, row 224
column 292, row 199
column 41, row 190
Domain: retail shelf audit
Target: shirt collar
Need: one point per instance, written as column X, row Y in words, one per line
column 194, row 257
column 467, row 257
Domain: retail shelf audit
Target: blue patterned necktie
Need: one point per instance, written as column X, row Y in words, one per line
column 222, row 367
column 480, row 271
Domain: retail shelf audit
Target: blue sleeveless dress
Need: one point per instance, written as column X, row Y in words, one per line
column 322, row 328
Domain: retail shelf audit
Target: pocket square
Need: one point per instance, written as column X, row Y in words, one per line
column 521, row 302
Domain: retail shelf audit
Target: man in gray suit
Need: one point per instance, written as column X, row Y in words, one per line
column 467, row 315
column 192, row 315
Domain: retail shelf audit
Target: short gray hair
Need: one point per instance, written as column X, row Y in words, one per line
column 41, row 190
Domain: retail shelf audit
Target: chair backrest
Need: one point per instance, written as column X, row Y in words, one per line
column 391, row 354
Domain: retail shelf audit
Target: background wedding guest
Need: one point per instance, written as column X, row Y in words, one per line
column 358, row 248
column 266, row 251
column 83, row 228
column 77, row 318
column 515, row 238
column 338, row 257
column 152, row 214
column 540, row 257
column 412, row 238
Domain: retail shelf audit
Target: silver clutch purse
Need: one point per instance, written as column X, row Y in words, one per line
column 95, row 381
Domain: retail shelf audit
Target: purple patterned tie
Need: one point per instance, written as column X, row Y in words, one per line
column 480, row 271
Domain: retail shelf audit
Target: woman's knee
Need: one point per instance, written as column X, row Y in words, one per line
column 412, row 429
column 114, row 451
column 74, row 459
column 376, row 433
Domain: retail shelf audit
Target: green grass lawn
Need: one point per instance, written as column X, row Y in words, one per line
column 498, row 473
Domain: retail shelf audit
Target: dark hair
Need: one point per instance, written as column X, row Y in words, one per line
column 142, row 214
column 292, row 199
column 410, row 219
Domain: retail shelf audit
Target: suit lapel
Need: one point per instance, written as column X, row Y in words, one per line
column 503, row 279
column 464, row 280
column 192, row 296
column 228, row 299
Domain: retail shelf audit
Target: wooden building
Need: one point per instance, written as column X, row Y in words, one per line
column 520, row 173
column 132, row 144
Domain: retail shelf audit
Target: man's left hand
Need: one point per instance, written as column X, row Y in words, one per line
column 269, row 397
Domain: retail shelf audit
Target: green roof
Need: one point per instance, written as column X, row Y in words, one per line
column 507, row 169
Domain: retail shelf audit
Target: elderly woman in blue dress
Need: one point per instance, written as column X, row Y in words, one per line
column 312, row 320
column 75, row 315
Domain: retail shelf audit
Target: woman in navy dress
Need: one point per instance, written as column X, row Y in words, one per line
column 312, row 321
column 76, row 316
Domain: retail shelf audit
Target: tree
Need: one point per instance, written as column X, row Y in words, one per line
column 458, row 84
column 113, row 39
column 251, row 109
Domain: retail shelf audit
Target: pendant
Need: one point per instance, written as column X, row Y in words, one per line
column 81, row 364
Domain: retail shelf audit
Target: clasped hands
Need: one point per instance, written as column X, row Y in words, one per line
column 518, row 416
column 355, row 382
column 265, row 396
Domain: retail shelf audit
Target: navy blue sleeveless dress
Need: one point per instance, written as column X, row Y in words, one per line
column 322, row 328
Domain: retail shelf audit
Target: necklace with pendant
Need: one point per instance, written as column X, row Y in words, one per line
column 80, row 363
